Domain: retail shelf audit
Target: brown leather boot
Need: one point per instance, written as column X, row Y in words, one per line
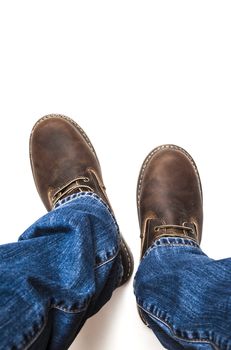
column 63, row 162
column 169, row 196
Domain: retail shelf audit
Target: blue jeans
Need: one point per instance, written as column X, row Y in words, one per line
column 184, row 296
column 65, row 267
column 62, row 270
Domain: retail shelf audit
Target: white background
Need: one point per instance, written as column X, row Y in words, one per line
column 134, row 75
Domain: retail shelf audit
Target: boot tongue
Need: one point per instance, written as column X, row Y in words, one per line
column 155, row 229
column 80, row 184
column 186, row 229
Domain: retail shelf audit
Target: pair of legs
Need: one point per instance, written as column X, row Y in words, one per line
column 65, row 267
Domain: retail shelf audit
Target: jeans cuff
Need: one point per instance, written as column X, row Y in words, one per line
column 171, row 242
column 70, row 198
column 175, row 241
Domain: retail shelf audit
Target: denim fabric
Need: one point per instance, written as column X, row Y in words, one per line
column 62, row 270
column 184, row 296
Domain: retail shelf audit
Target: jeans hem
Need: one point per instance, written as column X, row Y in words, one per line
column 215, row 340
column 75, row 196
column 171, row 242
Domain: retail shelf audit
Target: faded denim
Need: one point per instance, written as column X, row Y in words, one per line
column 62, row 270
column 184, row 296
column 65, row 267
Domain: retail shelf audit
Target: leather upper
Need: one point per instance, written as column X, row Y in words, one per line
column 169, row 196
column 61, row 153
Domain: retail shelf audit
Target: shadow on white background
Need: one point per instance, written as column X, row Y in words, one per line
column 95, row 334
column 115, row 322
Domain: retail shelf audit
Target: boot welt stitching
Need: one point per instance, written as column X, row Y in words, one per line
column 61, row 116
column 128, row 257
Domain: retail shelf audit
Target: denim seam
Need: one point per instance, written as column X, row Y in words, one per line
column 153, row 246
column 107, row 261
column 175, row 240
column 53, row 306
column 110, row 260
column 176, row 245
column 36, row 336
column 73, row 311
column 84, row 194
column 176, row 336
